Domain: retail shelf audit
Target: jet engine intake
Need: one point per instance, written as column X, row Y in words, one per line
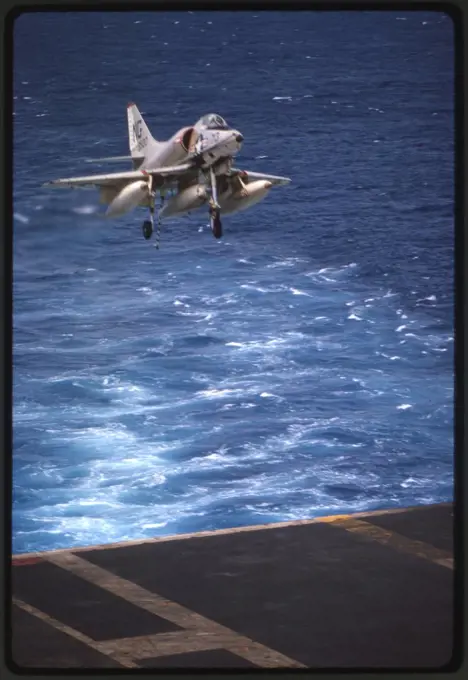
column 188, row 139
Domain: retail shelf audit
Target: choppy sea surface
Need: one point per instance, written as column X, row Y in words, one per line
column 301, row 366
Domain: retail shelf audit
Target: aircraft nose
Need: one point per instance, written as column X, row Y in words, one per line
column 239, row 138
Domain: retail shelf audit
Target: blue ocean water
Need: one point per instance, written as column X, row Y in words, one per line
column 301, row 366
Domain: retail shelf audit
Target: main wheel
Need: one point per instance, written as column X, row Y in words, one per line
column 147, row 229
column 216, row 226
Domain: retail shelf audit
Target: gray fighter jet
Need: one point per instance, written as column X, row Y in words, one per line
column 194, row 166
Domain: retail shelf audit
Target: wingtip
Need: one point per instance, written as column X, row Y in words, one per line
column 53, row 183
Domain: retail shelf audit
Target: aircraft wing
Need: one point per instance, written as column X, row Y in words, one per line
column 118, row 178
column 109, row 159
column 249, row 175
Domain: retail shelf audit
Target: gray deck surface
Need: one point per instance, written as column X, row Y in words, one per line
column 357, row 591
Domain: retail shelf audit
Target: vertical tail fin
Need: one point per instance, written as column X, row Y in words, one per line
column 140, row 139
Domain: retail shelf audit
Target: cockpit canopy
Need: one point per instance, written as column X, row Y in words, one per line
column 212, row 121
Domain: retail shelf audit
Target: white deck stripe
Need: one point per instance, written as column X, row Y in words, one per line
column 203, row 627
column 62, row 627
column 164, row 644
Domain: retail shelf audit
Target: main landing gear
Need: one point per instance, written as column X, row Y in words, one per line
column 147, row 229
column 215, row 221
column 148, row 225
column 215, row 211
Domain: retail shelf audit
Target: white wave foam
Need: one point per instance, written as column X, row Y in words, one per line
column 20, row 217
column 111, row 432
column 334, row 271
column 296, row 291
column 404, row 407
column 259, row 289
column 269, row 395
column 203, row 314
column 208, row 317
column 288, row 262
column 412, row 481
column 219, row 394
column 97, row 501
column 85, row 210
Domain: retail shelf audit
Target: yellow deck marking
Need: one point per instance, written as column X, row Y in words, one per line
column 204, row 629
column 113, row 654
column 393, row 540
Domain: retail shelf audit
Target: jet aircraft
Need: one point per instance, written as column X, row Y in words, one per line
column 194, row 165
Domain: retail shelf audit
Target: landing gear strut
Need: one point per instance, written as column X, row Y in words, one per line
column 215, row 211
column 148, row 225
column 158, row 233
